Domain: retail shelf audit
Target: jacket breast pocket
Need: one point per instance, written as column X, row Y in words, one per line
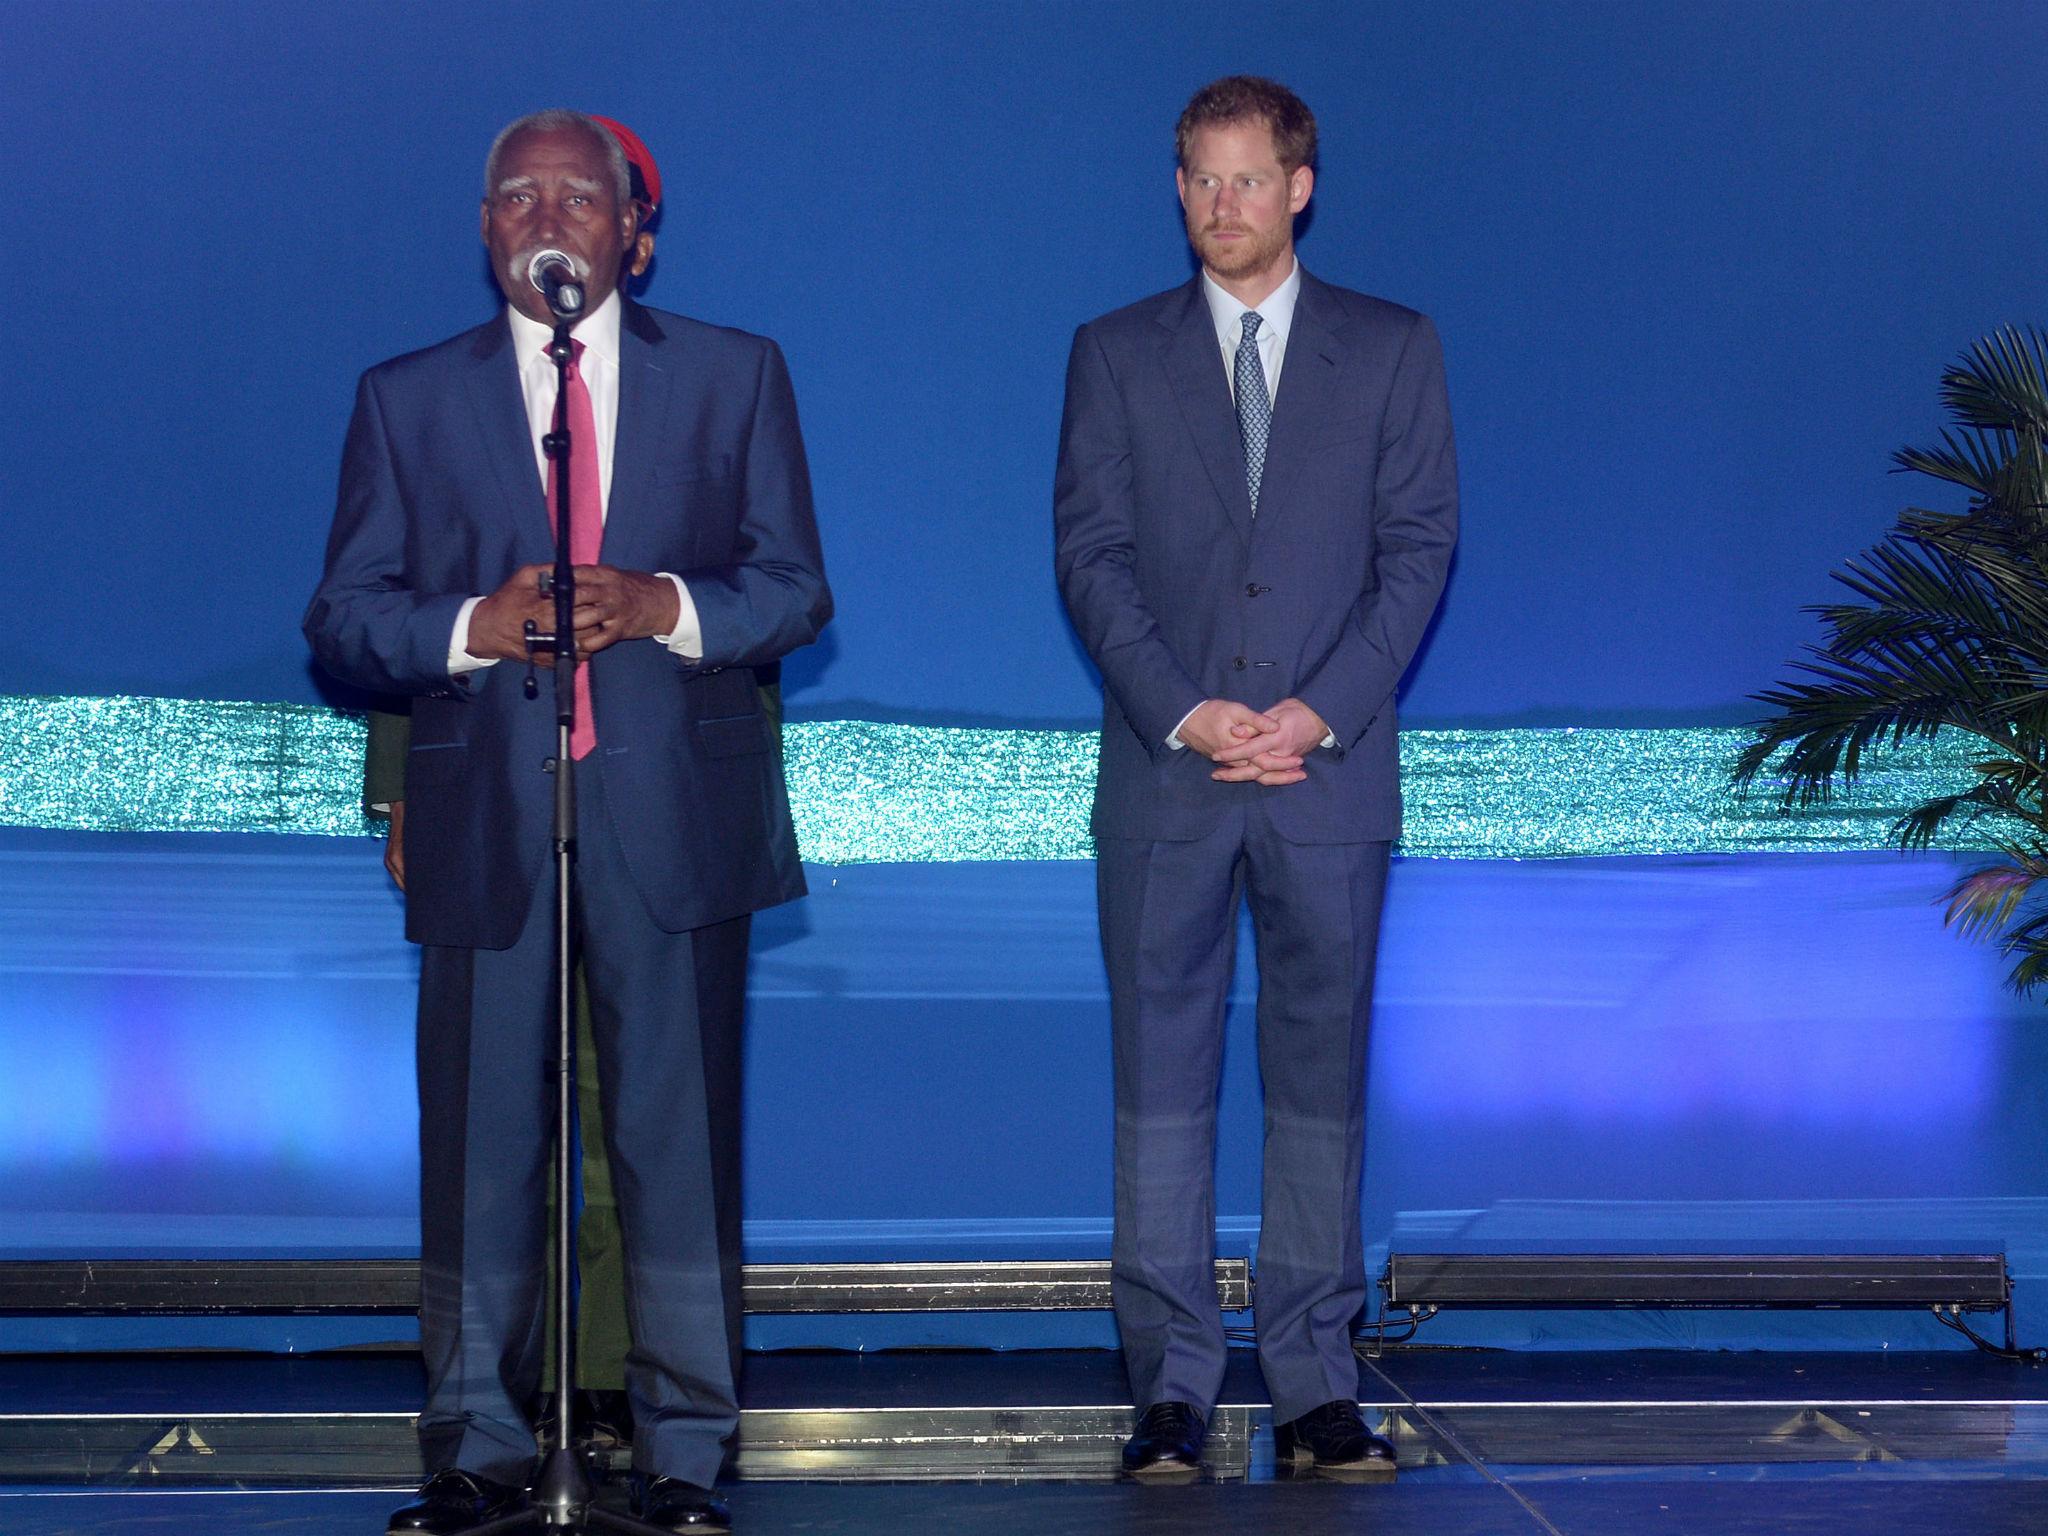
column 733, row 735
column 704, row 507
column 717, row 466
column 1343, row 434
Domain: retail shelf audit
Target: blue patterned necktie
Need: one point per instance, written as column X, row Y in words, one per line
column 1254, row 405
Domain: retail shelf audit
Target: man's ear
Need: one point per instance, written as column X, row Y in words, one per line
column 643, row 254
column 1299, row 186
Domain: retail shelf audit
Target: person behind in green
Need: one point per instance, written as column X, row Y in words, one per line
column 602, row 1335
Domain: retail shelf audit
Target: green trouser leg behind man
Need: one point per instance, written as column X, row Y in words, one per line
column 602, row 1338
column 602, row 1335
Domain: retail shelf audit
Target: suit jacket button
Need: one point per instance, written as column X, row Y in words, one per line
column 1251, row 589
column 1237, row 662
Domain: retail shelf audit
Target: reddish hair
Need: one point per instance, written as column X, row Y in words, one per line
column 1239, row 99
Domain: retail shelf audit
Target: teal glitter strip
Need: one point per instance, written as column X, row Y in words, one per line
column 180, row 765
column 871, row 793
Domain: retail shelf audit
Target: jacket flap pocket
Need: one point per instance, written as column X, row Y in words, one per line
column 733, row 735
column 436, row 762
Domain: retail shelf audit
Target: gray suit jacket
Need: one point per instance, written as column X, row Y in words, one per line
column 1180, row 594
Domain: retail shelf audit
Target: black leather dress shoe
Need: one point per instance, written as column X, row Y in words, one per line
column 675, row 1505
column 1167, row 1442
column 1334, row 1441
column 454, row 1501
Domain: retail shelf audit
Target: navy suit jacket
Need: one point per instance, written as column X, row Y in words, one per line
column 441, row 500
column 1181, row 595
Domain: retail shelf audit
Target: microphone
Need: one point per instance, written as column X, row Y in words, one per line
column 553, row 275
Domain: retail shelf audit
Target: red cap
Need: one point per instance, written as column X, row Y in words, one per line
column 638, row 158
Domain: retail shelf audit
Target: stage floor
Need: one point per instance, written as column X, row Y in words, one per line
column 1701, row 1443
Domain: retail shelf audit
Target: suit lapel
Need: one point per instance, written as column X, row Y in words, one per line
column 1194, row 364
column 644, row 384
column 1301, row 407
column 507, row 439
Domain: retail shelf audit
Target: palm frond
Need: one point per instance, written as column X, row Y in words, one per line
column 1913, row 587
column 2000, row 382
column 1946, row 630
column 1993, row 796
column 1973, row 460
column 2030, row 971
column 2026, row 944
column 1984, row 900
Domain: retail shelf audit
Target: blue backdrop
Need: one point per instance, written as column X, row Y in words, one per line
column 1696, row 267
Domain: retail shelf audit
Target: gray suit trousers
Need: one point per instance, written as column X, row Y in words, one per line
column 1169, row 929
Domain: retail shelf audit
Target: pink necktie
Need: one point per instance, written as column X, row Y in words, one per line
column 586, row 526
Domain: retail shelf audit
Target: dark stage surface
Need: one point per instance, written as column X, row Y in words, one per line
column 1490, row 1441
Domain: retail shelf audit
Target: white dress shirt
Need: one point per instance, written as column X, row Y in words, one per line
column 1276, row 319
column 599, row 365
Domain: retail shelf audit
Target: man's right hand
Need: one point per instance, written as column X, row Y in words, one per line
column 497, row 629
column 1218, row 724
column 1277, row 757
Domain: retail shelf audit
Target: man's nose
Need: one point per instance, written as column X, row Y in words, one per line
column 550, row 217
column 1226, row 199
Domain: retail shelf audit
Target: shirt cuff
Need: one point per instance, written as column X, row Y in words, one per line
column 687, row 638
column 459, row 659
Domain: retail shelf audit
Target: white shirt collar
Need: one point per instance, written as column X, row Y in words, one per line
column 598, row 331
column 1276, row 314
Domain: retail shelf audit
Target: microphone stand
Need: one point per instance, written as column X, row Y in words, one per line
column 563, row 1497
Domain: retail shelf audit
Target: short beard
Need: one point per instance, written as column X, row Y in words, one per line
column 1253, row 256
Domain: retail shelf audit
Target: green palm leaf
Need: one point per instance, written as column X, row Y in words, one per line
column 1971, row 460
column 1999, row 383
column 1946, row 630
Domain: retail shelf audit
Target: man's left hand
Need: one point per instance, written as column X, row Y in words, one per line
column 394, row 846
column 1275, row 757
column 614, row 605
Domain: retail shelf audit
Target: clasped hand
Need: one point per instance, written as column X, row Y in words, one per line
column 1250, row 746
column 611, row 605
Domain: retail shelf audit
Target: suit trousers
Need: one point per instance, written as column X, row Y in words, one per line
column 602, row 1338
column 486, row 1044
column 1169, row 933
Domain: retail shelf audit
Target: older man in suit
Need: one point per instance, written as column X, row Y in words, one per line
column 688, row 469
column 603, row 1338
column 1255, row 509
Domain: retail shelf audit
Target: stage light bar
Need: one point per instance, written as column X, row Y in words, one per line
column 103, row 1287
column 1972, row 1282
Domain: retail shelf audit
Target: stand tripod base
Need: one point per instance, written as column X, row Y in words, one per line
column 563, row 1498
